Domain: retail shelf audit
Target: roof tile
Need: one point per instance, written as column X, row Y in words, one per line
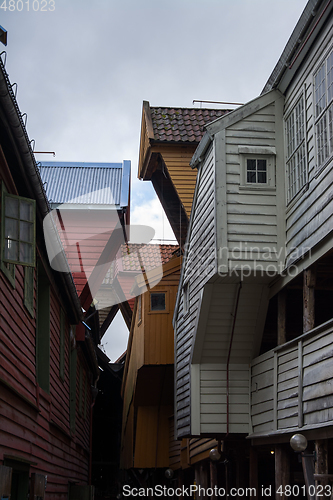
column 182, row 124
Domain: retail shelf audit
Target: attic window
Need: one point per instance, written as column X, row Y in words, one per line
column 157, row 301
column 256, row 171
column 257, row 167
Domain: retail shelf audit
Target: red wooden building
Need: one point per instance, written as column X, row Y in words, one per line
column 47, row 376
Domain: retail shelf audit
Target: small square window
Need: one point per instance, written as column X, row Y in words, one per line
column 256, row 171
column 157, row 301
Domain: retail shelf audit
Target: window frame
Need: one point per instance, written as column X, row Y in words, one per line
column 159, row 311
column 7, row 268
column 296, row 160
column 32, row 203
column 257, row 153
column 322, row 111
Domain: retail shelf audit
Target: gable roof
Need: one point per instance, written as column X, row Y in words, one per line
column 86, row 183
column 181, row 124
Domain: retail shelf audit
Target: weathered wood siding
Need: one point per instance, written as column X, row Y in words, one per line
column 291, row 385
column 145, row 427
column 309, row 215
column 251, row 217
column 233, row 334
column 34, row 424
column 199, row 267
column 177, row 160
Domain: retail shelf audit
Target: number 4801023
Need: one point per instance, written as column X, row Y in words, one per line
column 28, row 5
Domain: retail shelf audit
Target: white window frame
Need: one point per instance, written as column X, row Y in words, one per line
column 323, row 109
column 266, row 153
column 296, row 158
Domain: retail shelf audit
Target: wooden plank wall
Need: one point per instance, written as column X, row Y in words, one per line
column 251, row 214
column 291, row 385
column 199, row 267
column 34, row 425
column 310, row 215
column 177, row 160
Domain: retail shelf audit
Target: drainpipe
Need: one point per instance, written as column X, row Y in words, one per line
column 229, row 353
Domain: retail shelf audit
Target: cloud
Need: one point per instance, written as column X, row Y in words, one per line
column 151, row 214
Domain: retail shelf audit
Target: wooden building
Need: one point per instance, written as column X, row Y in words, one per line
column 169, row 137
column 148, row 374
column 47, row 375
column 91, row 205
column 256, row 275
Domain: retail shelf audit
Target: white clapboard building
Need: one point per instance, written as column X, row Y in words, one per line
column 253, row 319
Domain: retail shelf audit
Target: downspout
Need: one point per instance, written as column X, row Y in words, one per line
column 229, row 353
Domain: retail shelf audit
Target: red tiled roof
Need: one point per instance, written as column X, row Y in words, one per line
column 182, row 124
column 150, row 256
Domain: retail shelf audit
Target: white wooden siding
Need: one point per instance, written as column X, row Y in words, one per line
column 310, row 215
column 251, row 214
column 291, row 386
column 244, row 345
column 200, row 266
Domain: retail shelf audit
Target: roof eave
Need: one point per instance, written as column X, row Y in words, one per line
column 307, row 28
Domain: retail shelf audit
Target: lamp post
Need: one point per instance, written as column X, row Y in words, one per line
column 299, row 444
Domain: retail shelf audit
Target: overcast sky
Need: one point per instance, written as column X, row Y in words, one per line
column 84, row 68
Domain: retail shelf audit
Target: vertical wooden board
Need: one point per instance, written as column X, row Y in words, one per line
column 5, row 481
column 152, row 437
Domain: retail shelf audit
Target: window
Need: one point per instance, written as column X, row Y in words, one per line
column 256, row 171
column 257, row 167
column 6, row 268
column 29, row 275
column 186, row 298
column 18, row 230
column 43, row 329
column 323, row 95
column 296, row 156
column 157, row 301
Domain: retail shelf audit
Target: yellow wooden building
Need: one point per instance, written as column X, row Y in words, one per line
column 169, row 137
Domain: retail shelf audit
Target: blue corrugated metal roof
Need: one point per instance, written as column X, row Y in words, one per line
column 86, row 183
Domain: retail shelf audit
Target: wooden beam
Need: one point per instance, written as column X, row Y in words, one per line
column 281, row 323
column 213, row 477
column 254, row 470
column 108, row 320
column 309, row 281
column 321, row 463
column 282, row 471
